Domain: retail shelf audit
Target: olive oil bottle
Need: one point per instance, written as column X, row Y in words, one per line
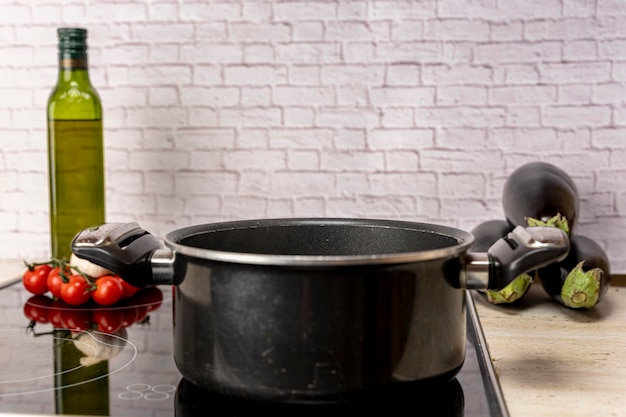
column 77, row 193
column 75, row 146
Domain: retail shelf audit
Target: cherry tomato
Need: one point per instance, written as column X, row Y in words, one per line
column 37, row 308
column 109, row 290
column 76, row 291
column 55, row 281
column 109, row 320
column 35, row 279
column 129, row 290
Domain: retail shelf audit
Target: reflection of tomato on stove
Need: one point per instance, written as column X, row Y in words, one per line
column 91, row 316
column 64, row 316
column 36, row 308
column 108, row 320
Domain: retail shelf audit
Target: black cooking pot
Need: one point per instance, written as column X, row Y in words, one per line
column 282, row 309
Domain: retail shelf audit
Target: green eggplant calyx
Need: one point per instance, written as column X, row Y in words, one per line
column 581, row 289
column 512, row 292
column 558, row 220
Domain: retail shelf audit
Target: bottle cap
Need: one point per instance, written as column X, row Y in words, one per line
column 72, row 43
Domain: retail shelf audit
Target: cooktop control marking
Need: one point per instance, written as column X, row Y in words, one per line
column 147, row 392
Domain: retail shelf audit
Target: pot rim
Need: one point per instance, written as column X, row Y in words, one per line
column 464, row 241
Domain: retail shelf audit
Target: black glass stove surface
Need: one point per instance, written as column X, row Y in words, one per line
column 131, row 371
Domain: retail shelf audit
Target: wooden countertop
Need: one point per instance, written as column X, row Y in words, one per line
column 550, row 360
column 554, row 361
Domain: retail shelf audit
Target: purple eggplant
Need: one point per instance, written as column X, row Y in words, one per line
column 485, row 235
column 540, row 194
column 582, row 279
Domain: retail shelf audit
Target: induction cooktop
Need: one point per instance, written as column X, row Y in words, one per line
column 121, row 365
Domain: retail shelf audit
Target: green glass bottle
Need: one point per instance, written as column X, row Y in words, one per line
column 75, row 146
column 77, row 192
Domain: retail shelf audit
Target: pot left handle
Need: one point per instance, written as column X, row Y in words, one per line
column 128, row 251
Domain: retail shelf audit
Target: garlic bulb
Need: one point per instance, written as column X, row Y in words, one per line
column 99, row 347
column 87, row 267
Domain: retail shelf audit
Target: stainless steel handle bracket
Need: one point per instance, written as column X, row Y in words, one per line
column 475, row 275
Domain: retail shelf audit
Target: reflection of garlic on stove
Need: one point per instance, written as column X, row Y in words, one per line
column 98, row 347
column 87, row 267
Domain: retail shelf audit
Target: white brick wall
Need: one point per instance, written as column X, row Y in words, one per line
column 414, row 110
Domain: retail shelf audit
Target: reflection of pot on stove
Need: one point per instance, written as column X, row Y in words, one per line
column 440, row 400
column 98, row 347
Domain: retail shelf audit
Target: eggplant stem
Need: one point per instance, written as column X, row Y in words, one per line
column 558, row 221
column 512, row 292
column 581, row 289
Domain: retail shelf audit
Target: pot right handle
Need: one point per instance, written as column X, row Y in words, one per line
column 522, row 250
column 126, row 250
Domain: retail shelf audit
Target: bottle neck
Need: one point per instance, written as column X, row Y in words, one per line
column 69, row 62
column 73, row 67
